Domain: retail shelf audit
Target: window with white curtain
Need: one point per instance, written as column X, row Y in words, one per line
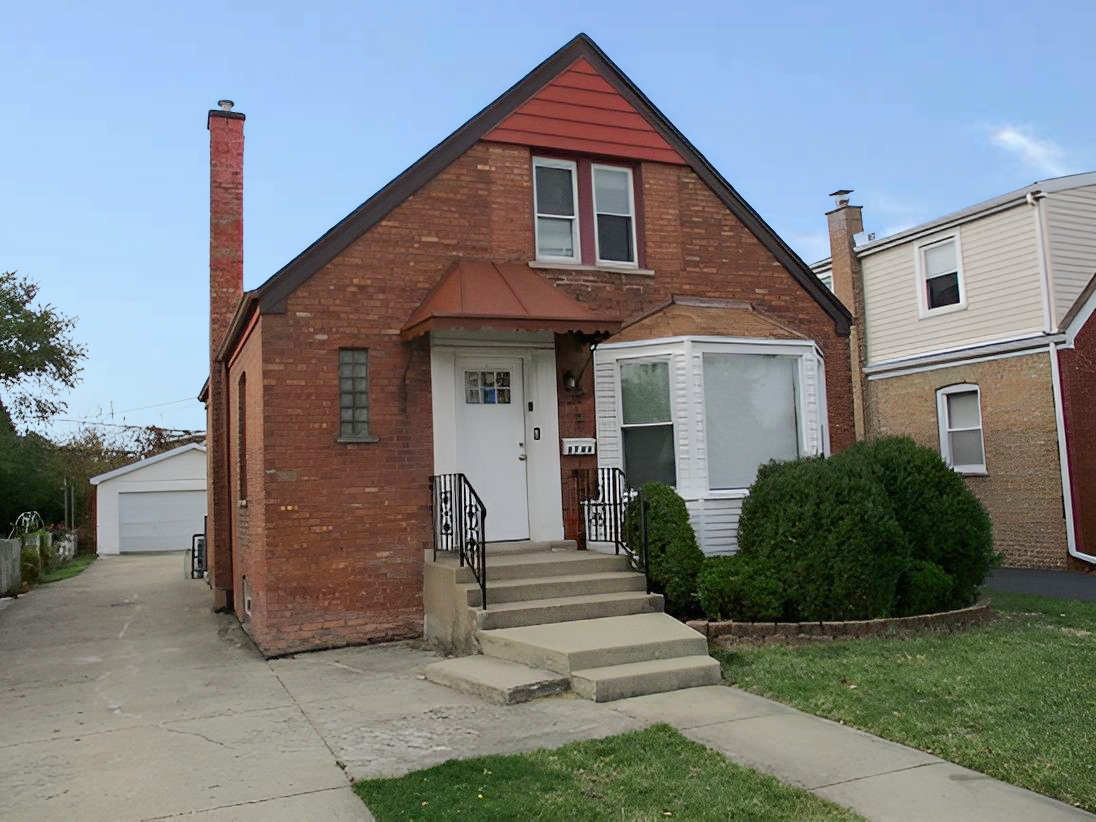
column 647, row 428
column 959, row 408
column 555, row 193
column 752, row 415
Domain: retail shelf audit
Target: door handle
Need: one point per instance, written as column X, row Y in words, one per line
column 522, row 457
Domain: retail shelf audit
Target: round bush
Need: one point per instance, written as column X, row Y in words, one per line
column 825, row 532
column 924, row 588
column 735, row 587
column 674, row 556
column 944, row 523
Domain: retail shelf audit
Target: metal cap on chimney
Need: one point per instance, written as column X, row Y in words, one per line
column 226, row 105
column 841, row 196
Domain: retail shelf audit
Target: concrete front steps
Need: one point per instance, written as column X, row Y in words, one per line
column 559, row 617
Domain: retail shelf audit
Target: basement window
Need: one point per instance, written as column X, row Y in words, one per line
column 959, row 408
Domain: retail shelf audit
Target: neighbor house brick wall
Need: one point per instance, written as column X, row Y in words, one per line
column 1023, row 488
column 346, row 524
column 1078, row 371
column 249, row 531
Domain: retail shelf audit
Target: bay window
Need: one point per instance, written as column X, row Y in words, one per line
column 751, row 413
column 647, row 428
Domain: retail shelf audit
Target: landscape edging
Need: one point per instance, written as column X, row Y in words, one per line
column 941, row 621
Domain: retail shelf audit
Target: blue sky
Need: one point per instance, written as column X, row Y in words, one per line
column 921, row 108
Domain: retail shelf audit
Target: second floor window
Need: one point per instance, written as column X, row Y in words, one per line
column 353, row 393
column 941, row 277
column 556, row 194
column 585, row 212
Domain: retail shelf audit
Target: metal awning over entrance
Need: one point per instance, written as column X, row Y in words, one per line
column 474, row 296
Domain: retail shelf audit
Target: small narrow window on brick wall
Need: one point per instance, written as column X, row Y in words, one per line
column 241, row 436
column 354, row 394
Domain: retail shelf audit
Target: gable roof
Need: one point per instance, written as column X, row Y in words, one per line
column 510, row 296
column 1080, row 312
column 133, row 466
column 272, row 295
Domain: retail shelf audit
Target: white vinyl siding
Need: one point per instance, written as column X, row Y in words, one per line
column 1071, row 229
column 1002, row 286
column 714, row 514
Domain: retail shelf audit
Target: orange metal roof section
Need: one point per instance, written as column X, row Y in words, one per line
column 698, row 316
column 579, row 110
column 501, row 296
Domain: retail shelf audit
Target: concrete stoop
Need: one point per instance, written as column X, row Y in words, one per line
column 558, row 618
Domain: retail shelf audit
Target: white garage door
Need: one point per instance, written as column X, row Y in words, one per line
column 159, row 520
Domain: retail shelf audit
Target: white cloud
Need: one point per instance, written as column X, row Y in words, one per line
column 1045, row 156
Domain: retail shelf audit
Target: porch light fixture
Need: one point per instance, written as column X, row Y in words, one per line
column 570, row 381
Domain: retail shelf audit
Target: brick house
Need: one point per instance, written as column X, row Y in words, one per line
column 973, row 336
column 564, row 284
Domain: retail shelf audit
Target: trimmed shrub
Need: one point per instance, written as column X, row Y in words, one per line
column 944, row 523
column 674, row 555
column 735, row 587
column 924, row 588
column 825, row 532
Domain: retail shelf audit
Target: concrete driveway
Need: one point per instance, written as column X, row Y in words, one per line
column 122, row 697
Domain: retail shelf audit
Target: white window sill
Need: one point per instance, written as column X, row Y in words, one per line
column 928, row 313
column 601, row 267
column 361, row 438
column 971, row 472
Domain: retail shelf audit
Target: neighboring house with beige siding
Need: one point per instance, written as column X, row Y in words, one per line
column 959, row 322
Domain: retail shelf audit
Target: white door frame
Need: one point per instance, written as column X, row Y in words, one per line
column 537, row 352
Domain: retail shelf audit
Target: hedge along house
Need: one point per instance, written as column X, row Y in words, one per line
column 974, row 336
column 564, row 283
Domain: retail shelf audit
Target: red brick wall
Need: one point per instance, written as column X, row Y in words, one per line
column 1078, row 371
column 249, row 521
column 346, row 523
column 226, row 272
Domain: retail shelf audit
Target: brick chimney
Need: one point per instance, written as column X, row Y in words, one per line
column 845, row 222
column 226, row 283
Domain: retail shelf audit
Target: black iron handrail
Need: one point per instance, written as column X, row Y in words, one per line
column 459, row 517
column 601, row 503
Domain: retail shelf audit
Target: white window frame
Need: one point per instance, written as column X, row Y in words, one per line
column 923, row 310
column 673, row 423
column 632, row 216
column 801, row 410
column 576, row 232
column 944, row 423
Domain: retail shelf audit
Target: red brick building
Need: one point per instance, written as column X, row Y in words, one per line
column 564, row 282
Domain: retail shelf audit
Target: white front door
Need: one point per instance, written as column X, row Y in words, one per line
column 491, row 441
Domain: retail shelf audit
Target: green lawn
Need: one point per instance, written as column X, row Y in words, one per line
column 651, row 774
column 71, row 568
column 1015, row 699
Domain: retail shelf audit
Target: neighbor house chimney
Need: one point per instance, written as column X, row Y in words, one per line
column 226, row 284
column 226, row 218
column 845, row 222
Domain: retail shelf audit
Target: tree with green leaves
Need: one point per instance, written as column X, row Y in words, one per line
column 39, row 360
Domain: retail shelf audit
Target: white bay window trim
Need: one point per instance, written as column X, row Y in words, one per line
column 948, row 427
column 576, row 248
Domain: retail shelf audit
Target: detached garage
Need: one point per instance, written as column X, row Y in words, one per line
column 156, row 504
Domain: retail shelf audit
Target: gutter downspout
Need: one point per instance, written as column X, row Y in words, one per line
column 1063, row 460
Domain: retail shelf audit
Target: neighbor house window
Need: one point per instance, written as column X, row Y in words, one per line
column 613, row 213
column 555, row 191
column 647, row 428
column 751, row 413
column 354, row 393
column 241, row 436
column 940, row 275
column 960, row 413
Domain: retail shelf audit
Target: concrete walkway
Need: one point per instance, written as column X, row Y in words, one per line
column 123, row 698
column 1059, row 584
